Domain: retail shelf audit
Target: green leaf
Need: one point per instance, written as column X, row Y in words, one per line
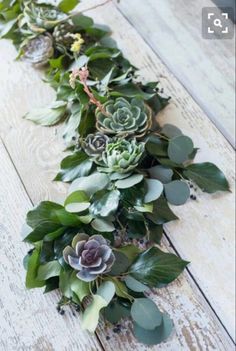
column 180, row 148
column 121, row 289
column 31, row 276
column 49, row 270
column 130, row 90
column 77, row 201
column 90, row 184
column 161, row 173
column 65, row 283
column 161, row 212
column 115, row 311
column 145, row 208
column 207, row 176
column 177, row 192
column 102, row 225
column 154, row 190
column 82, row 22
column 74, row 166
column 129, row 182
column 79, row 287
column 72, row 124
column 48, row 116
column 134, row 284
column 156, row 146
column 120, row 265
column 156, row 336
column 106, row 204
column 155, row 232
column 154, row 266
column 171, row 131
column 67, row 5
column 146, row 314
column 102, row 298
column 131, row 251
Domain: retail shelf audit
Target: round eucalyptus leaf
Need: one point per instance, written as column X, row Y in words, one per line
column 180, row 148
column 154, row 190
column 146, row 314
column 117, row 176
column 155, row 336
column 161, row 173
column 129, row 182
column 171, row 131
column 77, row 207
column 177, row 192
column 114, row 312
column 134, row 284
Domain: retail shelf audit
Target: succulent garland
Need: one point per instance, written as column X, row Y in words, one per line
column 124, row 171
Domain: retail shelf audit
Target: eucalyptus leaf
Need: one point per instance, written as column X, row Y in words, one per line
column 177, row 192
column 154, row 266
column 48, row 116
column 155, row 336
column 154, row 190
column 106, row 204
column 135, row 285
column 129, row 182
column 171, row 131
column 207, row 176
column 161, row 173
column 180, row 148
column 115, row 311
column 146, row 314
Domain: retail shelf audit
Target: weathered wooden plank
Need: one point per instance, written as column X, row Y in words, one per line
column 205, row 67
column 28, row 319
column 39, row 151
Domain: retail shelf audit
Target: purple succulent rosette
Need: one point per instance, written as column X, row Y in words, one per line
column 90, row 256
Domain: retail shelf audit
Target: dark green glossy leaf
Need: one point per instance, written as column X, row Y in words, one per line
column 51, row 284
column 156, row 146
column 32, row 271
column 155, row 232
column 207, row 176
column 121, row 264
column 177, row 192
column 130, row 90
column 49, row 270
column 82, row 22
column 115, row 311
column 154, row 266
column 161, row 212
column 67, row 5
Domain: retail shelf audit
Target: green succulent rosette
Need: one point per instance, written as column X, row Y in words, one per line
column 123, row 118
column 42, row 18
column 122, row 156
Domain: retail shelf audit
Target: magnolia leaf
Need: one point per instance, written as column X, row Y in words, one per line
column 74, row 166
column 129, row 182
column 32, row 269
column 102, row 298
column 134, row 284
column 155, row 232
column 180, row 148
column 177, row 192
column 90, row 184
column 77, row 201
column 154, row 266
column 161, row 212
column 161, row 173
column 48, row 116
column 207, row 176
column 154, row 190
column 155, row 336
column 106, row 204
column 171, row 131
column 146, row 314
column 79, row 287
column 102, row 225
column 49, row 270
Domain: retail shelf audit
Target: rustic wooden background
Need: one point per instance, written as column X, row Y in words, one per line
column 162, row 38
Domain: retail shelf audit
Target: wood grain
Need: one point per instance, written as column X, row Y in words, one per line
column 36, row 151
column 205, row 67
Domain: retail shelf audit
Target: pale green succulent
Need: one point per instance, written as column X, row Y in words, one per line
column 38, row 50
column 41, row 18
column 121, row 156
column 123, row 118
column 95, row 144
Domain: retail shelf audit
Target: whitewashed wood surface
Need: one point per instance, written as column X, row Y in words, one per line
column 28, row 166
column 205, row 67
